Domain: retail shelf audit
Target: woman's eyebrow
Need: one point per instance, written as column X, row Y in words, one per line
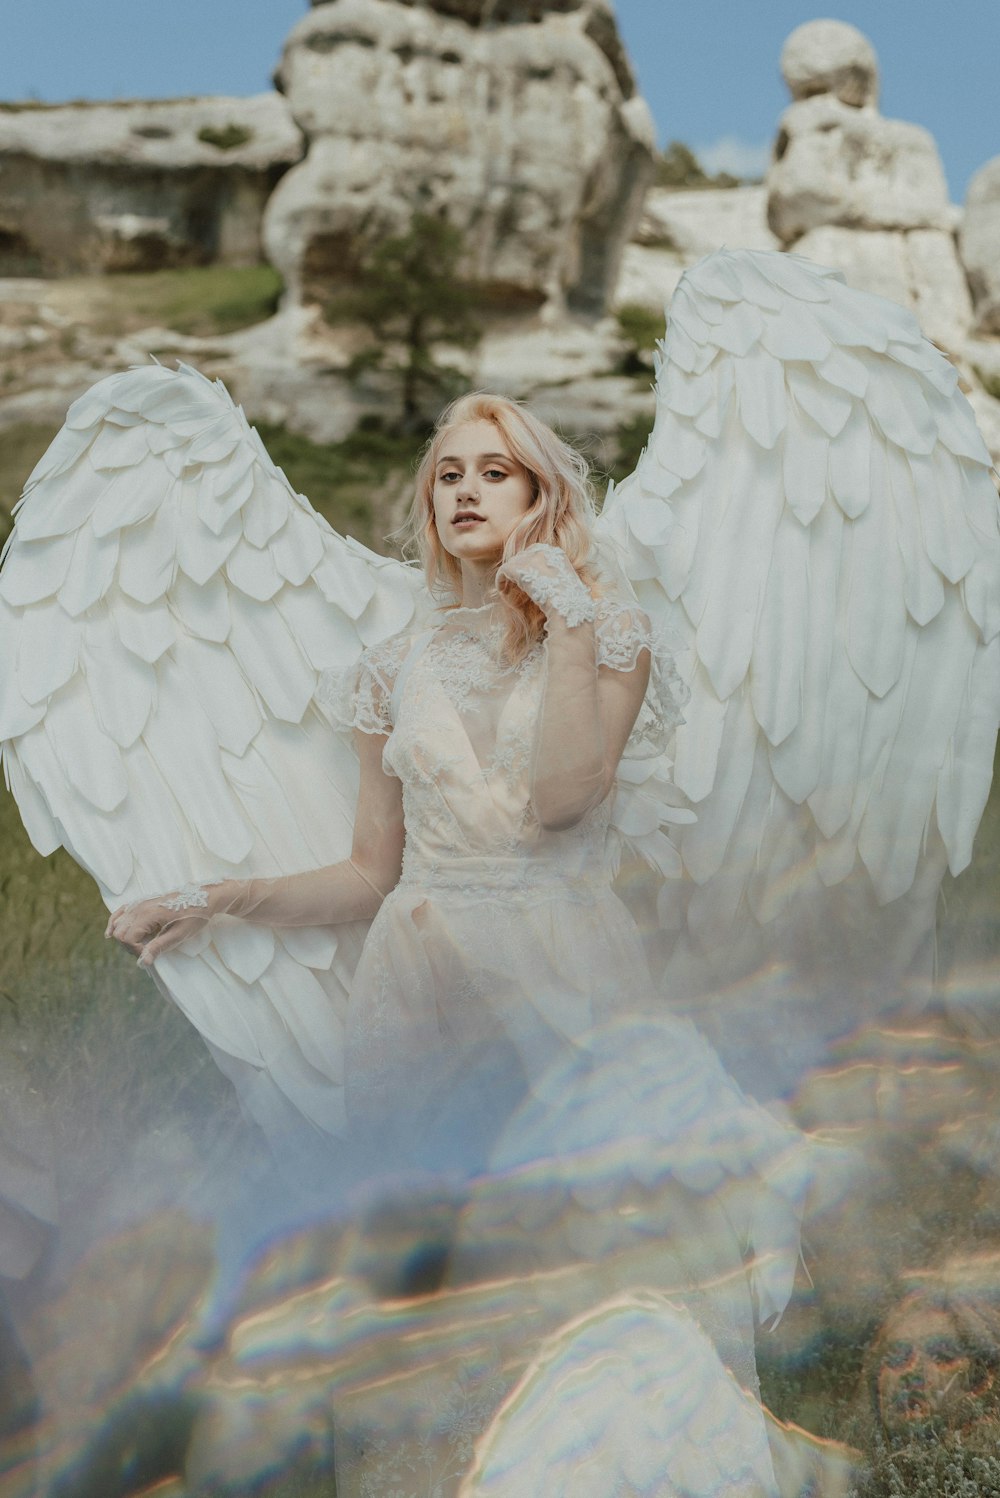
column 482, row 458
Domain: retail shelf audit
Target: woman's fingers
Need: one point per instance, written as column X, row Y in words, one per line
column 133, row 925
column 148, row 927
column 170, row 936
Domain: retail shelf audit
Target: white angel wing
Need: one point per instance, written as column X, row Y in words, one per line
column 166, row 605
column 646, row 1104
column 814, row 513
column 629, row 1398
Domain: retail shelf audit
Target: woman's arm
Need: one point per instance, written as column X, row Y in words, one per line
column 587, row 715
column 587, row 711
column 347, row 891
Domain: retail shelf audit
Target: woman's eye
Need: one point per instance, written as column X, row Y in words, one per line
column 944, row 1352
column 495, row 473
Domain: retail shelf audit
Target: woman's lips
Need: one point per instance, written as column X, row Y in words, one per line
column 468, row 520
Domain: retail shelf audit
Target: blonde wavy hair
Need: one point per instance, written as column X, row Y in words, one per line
column 562, row 511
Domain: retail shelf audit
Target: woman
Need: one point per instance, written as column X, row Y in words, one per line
column 496, row 1015
column 488, row 746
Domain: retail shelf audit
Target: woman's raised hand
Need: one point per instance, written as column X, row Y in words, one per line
column 151, row 927
column 549, row 578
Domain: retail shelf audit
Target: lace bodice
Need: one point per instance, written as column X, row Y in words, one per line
column 461, row 724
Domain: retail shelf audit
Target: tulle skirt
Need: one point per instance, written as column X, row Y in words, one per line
column 466, row 992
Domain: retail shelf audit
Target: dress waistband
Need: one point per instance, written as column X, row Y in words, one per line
column 499, row 874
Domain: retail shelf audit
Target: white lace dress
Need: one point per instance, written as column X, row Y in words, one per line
column 502, row 946
column 503, row 942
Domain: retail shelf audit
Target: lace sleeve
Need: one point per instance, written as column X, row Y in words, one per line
column 361, row 697
column 623, row 633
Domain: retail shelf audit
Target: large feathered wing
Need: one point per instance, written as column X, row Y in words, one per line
column 628, row 1398
column 814, row 514
column 167, row 603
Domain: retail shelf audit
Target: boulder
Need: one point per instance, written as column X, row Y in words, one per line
column 830, row 57
column 834, row 164
column 987, row 412
column 979, row 245
column 529, row 136
column 139, row 186
column 697, row 222
column 919, row 270
column 649, row 276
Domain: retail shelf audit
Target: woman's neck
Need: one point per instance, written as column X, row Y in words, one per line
column 478, row 580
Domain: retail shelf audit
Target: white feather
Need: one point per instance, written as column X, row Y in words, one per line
column 120, row 685
column 147, row 630
column 46, row 650
column 894, row 584
column 147, row 557
column 34, row 570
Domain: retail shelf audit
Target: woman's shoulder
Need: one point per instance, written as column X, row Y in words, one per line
column 360, row 695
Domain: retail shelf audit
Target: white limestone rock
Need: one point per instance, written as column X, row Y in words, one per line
column 834, row 164
column 982, row 355
column 678, row 228
column 648, row 276
column 919, row 270
column 987, row 413
column 830, row 57
column 529, row 136
column 135, row 186
column 979, row 245
column 697, row 222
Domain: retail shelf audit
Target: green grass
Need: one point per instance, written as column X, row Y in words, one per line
column 91, row 1033
column 989, row 382
column 202, row 300
column 630, row 439
column 21, row 446
column 226, row 137
column 20, row 106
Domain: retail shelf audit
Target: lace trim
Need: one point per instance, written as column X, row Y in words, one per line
column 189, row 897
column 466, row 662
column 623, row 633
column 557, row 588
column 361, row 696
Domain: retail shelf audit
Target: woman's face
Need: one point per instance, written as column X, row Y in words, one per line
column 480, row 492
column 924, row 1369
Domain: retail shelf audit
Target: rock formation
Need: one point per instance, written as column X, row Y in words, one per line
column 139, row 186
column 679, row 227
column 853, row 189
column 980, row 245
column 829, row 57
column 529, row 136
column 836, row 159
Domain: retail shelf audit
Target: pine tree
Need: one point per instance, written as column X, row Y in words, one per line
column 409, row 294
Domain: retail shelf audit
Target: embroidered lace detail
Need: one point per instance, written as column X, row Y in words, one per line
column 361, row 696
column 190, row 897
column 467, row 661
column 558, row 587
column 623, row 633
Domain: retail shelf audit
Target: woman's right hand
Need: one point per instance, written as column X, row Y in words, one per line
column 150, row 927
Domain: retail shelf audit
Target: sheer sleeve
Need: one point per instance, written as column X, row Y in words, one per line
column 361, row 696
column 623, row 632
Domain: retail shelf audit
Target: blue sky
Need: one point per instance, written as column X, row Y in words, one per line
column 709, row 68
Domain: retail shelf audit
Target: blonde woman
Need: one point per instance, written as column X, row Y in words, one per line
column 488, row 746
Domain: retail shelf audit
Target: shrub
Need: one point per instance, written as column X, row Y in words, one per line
column 225, row 137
